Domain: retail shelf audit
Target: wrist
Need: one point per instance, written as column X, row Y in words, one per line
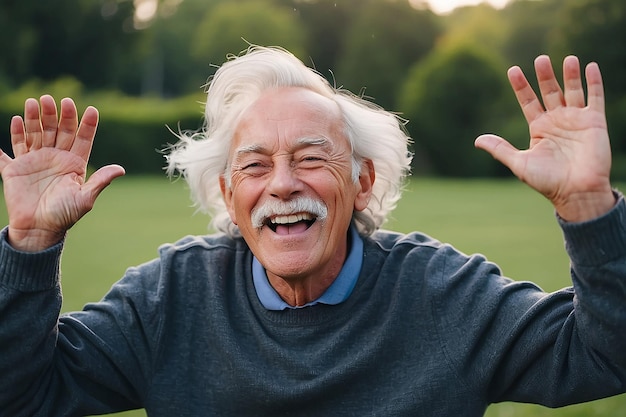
column 586, row 206
column 32, row 240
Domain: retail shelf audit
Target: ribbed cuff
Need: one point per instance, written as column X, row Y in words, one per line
column 598, row 241
column 28, row 272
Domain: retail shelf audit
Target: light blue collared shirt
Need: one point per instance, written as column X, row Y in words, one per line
column 338, row 292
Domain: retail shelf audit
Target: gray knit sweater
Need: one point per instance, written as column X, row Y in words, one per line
column 427, row 331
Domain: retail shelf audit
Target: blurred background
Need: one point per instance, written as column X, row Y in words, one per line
column 144, row 64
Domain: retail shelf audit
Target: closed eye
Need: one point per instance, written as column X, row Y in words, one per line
column 252, row 165
column 256, row 168
column 312, row 162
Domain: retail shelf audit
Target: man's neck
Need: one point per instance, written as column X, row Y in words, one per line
column 298, row 291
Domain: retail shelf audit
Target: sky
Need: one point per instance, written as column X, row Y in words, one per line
column 445, row 6
column 145, row 9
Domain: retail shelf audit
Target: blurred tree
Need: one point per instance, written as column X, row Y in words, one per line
column 482, row 25
column 455, row 94
column 169, row 68
column 530, row 23
column 325, row 23
column 595, row 30
column 90, row 40
column 228, row 27
column 385, row 39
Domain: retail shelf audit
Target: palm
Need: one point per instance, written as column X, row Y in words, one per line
column 569, row 157
column 569, row 152
column 45, row 188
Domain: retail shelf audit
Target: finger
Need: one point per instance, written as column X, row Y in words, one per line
column 499, row 149
column 526, row 97
column 32, row 124
column 18, row 136
column 574, row 94
column 548, row 85
column 49, row 120
column 98, row 181
column 86, row 133
column 595, row 88
column 66, row 131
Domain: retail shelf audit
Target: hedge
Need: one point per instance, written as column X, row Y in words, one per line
column 132, row 131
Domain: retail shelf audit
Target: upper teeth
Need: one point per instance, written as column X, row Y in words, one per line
column 292, row 218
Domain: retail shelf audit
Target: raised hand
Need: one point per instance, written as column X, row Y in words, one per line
column 44, row 184
column 569, row 156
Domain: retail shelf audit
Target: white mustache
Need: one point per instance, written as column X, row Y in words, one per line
column 282, row 208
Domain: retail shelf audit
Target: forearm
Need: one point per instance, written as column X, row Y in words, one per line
column 580, row 356
column 30, row 302
column 53, row 366
column 597, row 250
column 530, row 346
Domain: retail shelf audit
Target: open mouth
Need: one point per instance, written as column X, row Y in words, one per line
column 290, row 224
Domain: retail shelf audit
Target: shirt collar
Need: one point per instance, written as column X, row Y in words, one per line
column 338, row 292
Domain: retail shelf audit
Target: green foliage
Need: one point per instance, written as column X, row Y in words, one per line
column 80, row 48
column 60, row 87
column 66, row 37
column 234, row 24
column 325, row 23
column 531, row 24
column 385, row 39
column 450, row 98
column 481, row 25
column 132, row 131
column 595, row 31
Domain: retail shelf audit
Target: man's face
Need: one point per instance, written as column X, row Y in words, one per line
column 290, row 145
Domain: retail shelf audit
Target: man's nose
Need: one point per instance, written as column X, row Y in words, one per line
column 284, row 180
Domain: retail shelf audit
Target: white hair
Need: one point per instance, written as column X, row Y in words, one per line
column 374, row 134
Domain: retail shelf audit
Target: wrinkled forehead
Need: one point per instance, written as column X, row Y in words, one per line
column 289, row 117
column 285, row 102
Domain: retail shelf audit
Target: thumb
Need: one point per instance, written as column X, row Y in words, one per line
column 99, row 180
column 498, row 148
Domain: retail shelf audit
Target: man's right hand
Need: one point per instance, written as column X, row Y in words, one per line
column 44, row 184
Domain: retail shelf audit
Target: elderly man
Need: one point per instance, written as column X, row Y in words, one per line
column 302, row 305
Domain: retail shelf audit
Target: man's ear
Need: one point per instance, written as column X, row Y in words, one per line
column 366, row 183
column 227, row 194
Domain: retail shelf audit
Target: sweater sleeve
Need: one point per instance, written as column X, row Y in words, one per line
column 83, row 363
column 526, row 345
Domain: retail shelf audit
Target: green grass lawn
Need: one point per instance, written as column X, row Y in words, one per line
column 504, row 220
